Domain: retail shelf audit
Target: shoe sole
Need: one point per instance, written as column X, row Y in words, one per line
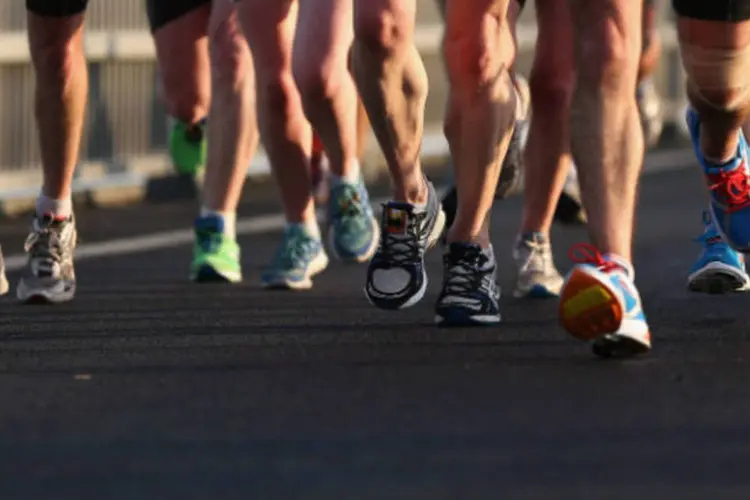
column 569, row 211
column 207, row 274
column 716, row 280
column 43, row 296
column 466, row 322
column 618, row 346
column 316, row 267
column 588, row 309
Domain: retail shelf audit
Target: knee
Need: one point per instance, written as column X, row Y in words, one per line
column 383, row 32
column 230, row 61
column 609, row 56
column 55, row 55
column 276, row 92
column 318, row 81
column 474, row 59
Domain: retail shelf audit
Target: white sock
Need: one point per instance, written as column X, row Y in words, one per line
column 229, row 218
column 351, row 177
column 59, row 209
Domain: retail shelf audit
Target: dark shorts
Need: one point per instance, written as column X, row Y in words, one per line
column 441, row 5
column 161, row 12
column 714, row 10
column 56, row 8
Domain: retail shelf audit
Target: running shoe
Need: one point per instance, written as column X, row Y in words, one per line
column 599, row 302
column 353, row 231
column 396, row 276
column 470, row 292
column 537, row 277
column 216, row 257
column 729, row 188
column 3, row 278
column 49, row 276
column 650, row 111
column 297, row 260
column 188, row 146
column 719, row 268
column 569, row 210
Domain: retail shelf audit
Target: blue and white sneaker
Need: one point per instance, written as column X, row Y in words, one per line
column 299, row 258
column 719, row 269
column 353, row 233
column 470, row 293
column 729, row 188
column 396, row 276
column 599, row 302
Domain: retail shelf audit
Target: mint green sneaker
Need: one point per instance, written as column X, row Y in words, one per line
column 353, row 231
column 188, row 146
column 216, row 257
column 297, row 260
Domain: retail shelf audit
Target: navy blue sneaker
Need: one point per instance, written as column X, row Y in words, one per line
column 470, row 293
column 396, row 277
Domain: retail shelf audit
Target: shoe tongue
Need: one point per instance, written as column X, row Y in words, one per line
column 397, row 217
column 210, row 223
column 537, row 238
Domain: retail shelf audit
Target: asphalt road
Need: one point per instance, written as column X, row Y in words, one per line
column 148, row 387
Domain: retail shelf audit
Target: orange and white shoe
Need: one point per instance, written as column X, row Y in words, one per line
column 600, row 303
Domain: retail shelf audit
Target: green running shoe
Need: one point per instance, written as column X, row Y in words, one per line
column 216, row 257
column 187, row 147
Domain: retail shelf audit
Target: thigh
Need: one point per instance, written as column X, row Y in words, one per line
column 269, row 26
column 606, row 31
column 553, row 56
column 384, row 20
column 56, row 8
column 325, row 31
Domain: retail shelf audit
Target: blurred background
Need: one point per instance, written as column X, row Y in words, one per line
column 124, row 146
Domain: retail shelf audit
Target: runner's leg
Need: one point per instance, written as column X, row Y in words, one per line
column 479, row 52
column 392, row 82
column 269, row 26
column 324, row 35
column 599, row 300
column 55, row 32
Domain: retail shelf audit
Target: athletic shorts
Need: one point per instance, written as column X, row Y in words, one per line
column 714, row 10
column 441, row 5
column 56, row 8
column 161, row 12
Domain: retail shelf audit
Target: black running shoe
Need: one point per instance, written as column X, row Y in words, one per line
column 470, row 292
column 396, row 277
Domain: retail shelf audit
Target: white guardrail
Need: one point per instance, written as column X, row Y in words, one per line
column 21, row 181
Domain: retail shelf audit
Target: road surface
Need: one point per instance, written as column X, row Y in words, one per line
column 150, row 387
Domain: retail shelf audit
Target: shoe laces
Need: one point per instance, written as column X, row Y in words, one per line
column 535, row 255
column 402, row 248
column 586, row 253
column 733, row 186
column 295, row 251
column 466, row 271
column 44, row 245
column 347, row 204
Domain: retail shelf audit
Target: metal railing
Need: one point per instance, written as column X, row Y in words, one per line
column 126, row 132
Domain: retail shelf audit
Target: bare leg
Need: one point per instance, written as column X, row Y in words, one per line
column 269, row 27
column 392, row 82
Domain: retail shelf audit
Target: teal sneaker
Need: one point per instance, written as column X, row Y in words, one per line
column 216, row 257
column 353, row 231
column 297, row 260
column 188, row 147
